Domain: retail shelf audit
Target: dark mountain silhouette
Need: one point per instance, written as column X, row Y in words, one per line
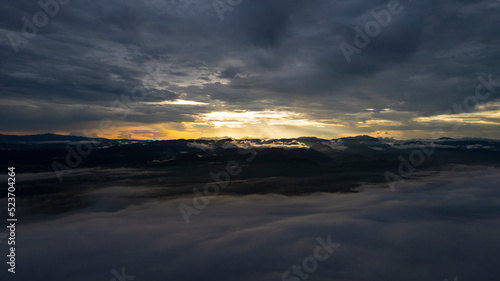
column 42, row 138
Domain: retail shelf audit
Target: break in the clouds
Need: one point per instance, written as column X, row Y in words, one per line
column 268, row 69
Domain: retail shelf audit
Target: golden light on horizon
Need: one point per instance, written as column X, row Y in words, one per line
column 379, row 122
column 238, row 119
column 483, row 117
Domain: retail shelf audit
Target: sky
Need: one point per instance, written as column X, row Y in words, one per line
column 173, row 69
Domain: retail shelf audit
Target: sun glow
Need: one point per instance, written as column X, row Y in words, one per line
column 178, row 102
column 239, row 119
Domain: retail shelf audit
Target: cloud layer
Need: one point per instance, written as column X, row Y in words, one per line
column 265, row 56
column 430, row 229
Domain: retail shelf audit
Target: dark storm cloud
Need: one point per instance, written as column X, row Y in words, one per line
column 285, row 52
column 434, row 228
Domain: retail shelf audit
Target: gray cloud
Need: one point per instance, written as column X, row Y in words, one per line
column 284, row 52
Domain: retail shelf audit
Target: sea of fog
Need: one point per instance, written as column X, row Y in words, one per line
column 442, row 226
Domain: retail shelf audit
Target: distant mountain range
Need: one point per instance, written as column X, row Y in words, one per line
column 54, row 138
column 308, row 164
column 42, row 138
column 37, row 151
